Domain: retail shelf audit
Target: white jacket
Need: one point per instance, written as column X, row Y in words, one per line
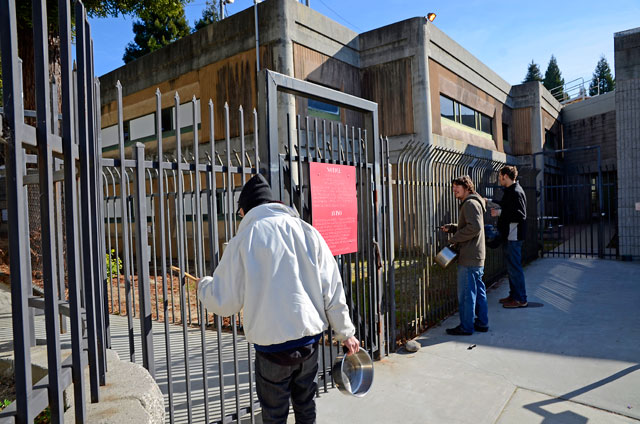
column 281, row 272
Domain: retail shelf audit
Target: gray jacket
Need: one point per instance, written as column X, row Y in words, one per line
column 468, row 234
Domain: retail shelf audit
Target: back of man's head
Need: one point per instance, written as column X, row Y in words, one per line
column 255, row 192
column 509, row 171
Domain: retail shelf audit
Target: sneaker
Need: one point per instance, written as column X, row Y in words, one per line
column 515, row 304
column 458, row 331
column 480, row 328
column 505, row 299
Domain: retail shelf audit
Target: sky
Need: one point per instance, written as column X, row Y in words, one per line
column 506, row 35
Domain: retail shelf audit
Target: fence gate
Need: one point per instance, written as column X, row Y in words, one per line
column 367, row 273
column 577, row 207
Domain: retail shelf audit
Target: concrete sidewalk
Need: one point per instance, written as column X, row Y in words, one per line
column 571, row 357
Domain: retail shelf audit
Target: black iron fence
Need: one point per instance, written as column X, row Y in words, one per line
column 59, row 158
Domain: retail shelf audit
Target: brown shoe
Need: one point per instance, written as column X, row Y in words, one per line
column 515, row 304
column 505, row 299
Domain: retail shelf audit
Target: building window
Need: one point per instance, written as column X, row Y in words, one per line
column 462, row 114
column 446, row 108
column 485, row 124
column 505, row 133
column 166, row 115
column 323, row 110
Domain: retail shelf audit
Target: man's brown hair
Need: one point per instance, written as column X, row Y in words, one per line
column 509, row 171
column 466, row 182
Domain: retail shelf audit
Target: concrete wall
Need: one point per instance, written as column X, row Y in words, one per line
column 591, row 122
column 627, row 71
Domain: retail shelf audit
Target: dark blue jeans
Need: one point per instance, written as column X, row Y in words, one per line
column 513, row 257
column 275, row 384
column 472, row 298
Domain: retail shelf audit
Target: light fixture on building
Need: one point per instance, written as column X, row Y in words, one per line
column 430, row 16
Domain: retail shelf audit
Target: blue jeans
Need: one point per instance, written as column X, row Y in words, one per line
column 275, row 384
column 513, row 257
column 472, row 297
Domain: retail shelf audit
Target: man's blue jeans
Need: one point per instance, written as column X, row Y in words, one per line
column 472, row 298
column 513, row 257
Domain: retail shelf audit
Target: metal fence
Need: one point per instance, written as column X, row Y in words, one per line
column 578, row 205
column 425, row 293
column 45, row 157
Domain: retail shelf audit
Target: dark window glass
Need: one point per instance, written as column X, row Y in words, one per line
column 446, row 108
column 125, row 130
column 167, row 119
column 324, row 107
column 468, row 116
column 485, row 124
column 505, row 132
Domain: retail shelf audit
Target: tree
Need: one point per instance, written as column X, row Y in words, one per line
column 210, row 14
column 602, row 76
column 553, row 80
column 155, row 30
column 533, row 73
column 95, row 9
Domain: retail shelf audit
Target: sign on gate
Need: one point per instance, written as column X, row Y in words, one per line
column 334, row 207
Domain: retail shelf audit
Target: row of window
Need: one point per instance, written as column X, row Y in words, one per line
column 464, row 115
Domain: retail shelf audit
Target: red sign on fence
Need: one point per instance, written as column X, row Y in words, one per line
column 334, row 207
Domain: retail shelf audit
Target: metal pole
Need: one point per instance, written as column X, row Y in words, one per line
column 255, row 12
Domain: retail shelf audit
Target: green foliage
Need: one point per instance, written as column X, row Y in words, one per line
column 114, row 263
column 553, row 79
column 210, row 14
column 602, row 75
column 155, row 30
column 4, row 404
column 533, row 73
column 44, row 417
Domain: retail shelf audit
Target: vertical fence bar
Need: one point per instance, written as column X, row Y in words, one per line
column 14, row 160
column 142, row 255
column 45, row 171
column 84, row 110
column 163, row 256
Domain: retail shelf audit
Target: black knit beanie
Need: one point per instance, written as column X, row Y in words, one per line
column 254, row 193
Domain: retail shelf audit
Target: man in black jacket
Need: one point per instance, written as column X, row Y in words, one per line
column 512, row 225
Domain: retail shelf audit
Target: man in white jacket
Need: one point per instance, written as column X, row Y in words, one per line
column 280, row 271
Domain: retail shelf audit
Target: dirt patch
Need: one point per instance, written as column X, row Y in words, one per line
column 7, row 391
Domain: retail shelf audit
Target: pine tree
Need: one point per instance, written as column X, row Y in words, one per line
column 533, row 73
column 154, row 31
column 553, row 79
column 210, row 14
column 602, row 75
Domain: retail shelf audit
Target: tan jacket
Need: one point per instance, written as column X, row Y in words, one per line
column 468, row 234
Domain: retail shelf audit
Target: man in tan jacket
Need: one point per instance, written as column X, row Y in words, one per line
column 468, row 240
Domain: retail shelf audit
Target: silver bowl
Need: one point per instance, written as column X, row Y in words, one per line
column 445, row 257
column 353, row 374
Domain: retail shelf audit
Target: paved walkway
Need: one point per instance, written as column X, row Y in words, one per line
column 571, row 357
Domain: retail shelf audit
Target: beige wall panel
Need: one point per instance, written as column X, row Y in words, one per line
column 521, row 131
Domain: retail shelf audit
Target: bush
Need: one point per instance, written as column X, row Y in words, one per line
column 113, row 262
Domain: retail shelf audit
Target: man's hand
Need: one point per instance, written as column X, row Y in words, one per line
column 352, row 344
column 495, row 212
column 446, row 228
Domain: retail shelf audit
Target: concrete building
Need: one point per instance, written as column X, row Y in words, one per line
column 427, row 86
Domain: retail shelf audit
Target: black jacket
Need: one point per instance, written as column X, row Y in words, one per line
column 514, row 210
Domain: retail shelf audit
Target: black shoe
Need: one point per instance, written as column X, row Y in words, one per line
column 458, row 331
column 480, row 328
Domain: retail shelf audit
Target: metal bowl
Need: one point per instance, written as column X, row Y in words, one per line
column 353, row 374
column 445, row 257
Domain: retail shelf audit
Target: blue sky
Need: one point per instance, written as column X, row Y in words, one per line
column 504, row 34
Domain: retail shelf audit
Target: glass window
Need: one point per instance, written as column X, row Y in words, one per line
column 323, row 110
column 446, row 108
column 166, row 115
column 467, row 116
column 485, row 124
column 505, row 133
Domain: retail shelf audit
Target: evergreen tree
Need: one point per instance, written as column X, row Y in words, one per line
column 155, row 30
column 533, row 73
column 553, row 79
column 210, row 14
column 602, row 75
